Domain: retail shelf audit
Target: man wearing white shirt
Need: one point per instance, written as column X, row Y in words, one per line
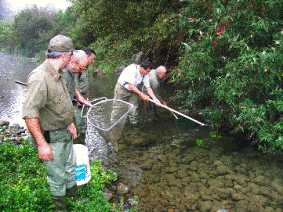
column 126, row 88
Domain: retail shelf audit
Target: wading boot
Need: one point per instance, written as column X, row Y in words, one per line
column 60, row 203
column 72, row 193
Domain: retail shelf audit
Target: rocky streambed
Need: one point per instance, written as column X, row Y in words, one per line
column 180, row 175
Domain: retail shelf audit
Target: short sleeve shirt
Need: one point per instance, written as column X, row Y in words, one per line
column 154, row 83
column 132, row 75
column 48, row 98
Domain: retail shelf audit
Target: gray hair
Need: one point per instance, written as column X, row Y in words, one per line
column 55, row 54
column 79, row 54
column 160, row 69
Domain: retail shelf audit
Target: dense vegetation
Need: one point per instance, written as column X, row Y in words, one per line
column 23, row 184
column 225, row 57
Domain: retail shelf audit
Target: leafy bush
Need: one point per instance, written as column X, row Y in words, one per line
column 232, row 66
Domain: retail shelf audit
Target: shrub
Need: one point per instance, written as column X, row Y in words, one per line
column 232, row 67
column 24, row 187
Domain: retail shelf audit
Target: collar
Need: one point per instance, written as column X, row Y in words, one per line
column 54, row 73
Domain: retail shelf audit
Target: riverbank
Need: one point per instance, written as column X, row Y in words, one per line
column 14, row 134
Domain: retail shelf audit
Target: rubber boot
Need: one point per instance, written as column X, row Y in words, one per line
column 72, row 193
column 60, row 203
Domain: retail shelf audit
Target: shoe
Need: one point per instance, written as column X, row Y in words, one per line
column 72, row 193
column 60, row 203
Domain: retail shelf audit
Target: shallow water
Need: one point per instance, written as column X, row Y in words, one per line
column 12, row 95
column 167, row 168
column 174, row 165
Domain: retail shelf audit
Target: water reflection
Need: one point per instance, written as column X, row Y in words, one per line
column 12, row 95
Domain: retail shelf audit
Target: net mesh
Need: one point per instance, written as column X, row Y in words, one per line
column 109, row 117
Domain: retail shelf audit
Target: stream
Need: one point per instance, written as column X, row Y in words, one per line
column 169, row 164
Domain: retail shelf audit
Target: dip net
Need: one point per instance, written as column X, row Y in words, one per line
column 108, row 117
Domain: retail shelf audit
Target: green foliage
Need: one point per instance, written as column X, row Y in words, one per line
column 215, row 134
column 23, row 183
column 94, row 190
column 201, row 143
column 33, row 27
column 120, row 28
column 5, row 31
column 24, row 187
column 231, row 65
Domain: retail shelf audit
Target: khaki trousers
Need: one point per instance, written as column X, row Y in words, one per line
column 122, row 93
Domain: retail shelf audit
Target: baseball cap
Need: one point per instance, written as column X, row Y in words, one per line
column 61, row 43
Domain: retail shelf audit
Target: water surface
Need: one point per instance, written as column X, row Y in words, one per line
column 12, row 95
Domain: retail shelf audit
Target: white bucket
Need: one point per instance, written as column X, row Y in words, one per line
column 83, row 174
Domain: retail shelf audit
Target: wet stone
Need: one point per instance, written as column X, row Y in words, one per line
column 222, row 169
column 107, row 194
column 242, row 205
column 237, row 196
column 146, row 165
column 239, row 178
column 216, row 183
column 276, row 184
column 122, row 189
column 223, row 192
column 176, row 182
column 263, row 190
column 205, row 206
column 4, row 123
column 254, row 206
column 222, row 210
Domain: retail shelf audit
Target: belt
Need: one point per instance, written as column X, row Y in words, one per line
column 46, row 135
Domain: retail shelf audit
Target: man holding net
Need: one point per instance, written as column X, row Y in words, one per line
column 77, row 66
column 127, row 90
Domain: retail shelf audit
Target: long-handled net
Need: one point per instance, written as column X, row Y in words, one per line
column 108, row 117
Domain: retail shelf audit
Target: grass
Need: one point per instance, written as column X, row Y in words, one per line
column 23, row 185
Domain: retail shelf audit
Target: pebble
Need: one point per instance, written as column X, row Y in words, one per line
column 14, row 134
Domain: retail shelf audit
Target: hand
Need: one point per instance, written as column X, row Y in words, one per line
column 87, row 103
column 45, row 152
column 145, row 97
column 73, row 130
column 157, row 102
column 163, row 102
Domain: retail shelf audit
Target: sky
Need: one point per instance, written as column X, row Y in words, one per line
column 17, row 5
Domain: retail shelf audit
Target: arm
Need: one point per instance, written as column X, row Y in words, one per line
column 137, row 91
column 80, row 98
column 44, row 149
column 152, row 95
column 73, row 130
